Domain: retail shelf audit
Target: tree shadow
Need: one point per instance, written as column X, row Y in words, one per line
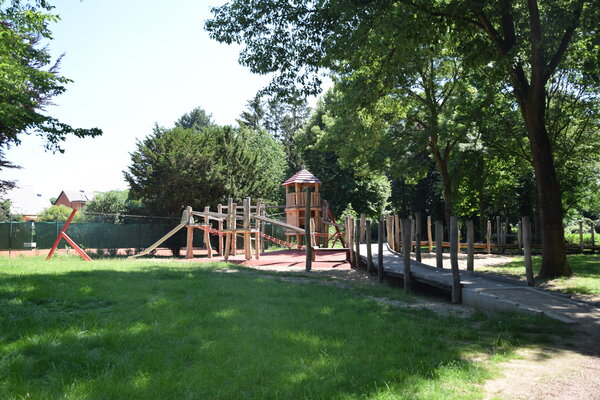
column 189, row 332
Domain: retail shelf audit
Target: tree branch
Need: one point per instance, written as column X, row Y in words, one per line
column 564, row 42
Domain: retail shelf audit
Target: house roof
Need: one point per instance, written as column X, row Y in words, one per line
column 78, row 195
column 302, row 176
column 25, row 201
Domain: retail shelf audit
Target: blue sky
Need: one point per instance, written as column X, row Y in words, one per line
column 134, row 63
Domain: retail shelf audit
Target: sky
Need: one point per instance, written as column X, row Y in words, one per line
column 134, row 64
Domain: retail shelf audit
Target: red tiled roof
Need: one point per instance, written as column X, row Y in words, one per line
column 302, row 176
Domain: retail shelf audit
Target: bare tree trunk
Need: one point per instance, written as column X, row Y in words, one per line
column 554, row 257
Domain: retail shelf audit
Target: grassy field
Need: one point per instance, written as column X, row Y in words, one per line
column 585, row 278
column 119, row 329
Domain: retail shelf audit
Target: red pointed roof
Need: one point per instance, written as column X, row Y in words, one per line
column 302, row 176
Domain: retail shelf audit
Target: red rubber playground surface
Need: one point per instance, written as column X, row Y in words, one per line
column 286, row 258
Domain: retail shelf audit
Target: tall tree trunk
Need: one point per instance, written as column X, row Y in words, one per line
column 554, row 259
column 442, row 165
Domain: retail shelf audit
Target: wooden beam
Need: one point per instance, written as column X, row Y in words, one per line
column 207, row 233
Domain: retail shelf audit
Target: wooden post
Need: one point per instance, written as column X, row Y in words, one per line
column 527, row 250
column 406, row 238
column 397, row 233
column 263, row 227
column 369, row 252
column 498, row 231
column 220, row 228
column 488, row 245
column 581, row 236
column 207, row 233
column 593, row 228
column 520, row 237
column 470, row 245
column 391, row 240
column 380, row 239
column 325, row 226
column 357, row 242
column 234, row 230
column 257, row 231
column 307, row 238
column 429, row 236
column 362, row 228
column 418, row 236
column 247, row 245
column 413, row 232
column 439, row 245
column 349, row 239
column 189, row 249
column 227, row 250
column 401, row 234
column 456, row 288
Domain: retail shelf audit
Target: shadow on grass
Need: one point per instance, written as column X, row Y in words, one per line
column 187, row 332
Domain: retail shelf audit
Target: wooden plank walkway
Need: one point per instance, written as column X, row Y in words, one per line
column 488, row 293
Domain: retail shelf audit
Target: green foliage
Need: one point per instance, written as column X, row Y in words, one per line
column 342, row 183
column 376, row 50
column 177, row 167
column 58, row 213
column 280, row 117
column 196, row 119
column 114, row 203
column 4, row 210
column 29, row 78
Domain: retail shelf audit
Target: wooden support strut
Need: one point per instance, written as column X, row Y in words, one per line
column 189, row 249
column 207, row 234
column 228, row 235
column 220, row 227
column 257, row 238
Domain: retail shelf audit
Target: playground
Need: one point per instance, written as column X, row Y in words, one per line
column 306, row 309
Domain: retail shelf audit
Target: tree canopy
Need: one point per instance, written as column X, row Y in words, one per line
column 29, row 78
column 204, row 164
column 517, row 45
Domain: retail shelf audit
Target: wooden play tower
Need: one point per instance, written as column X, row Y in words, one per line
column 295, row 202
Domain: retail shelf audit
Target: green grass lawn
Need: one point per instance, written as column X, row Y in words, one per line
column 585, row 278
column 145, row 329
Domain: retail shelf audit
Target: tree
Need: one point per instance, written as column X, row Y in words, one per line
column 110, row 206
column 29, row 78
column 196, row 119
column 58, row 213
column 367, row 191
column 176, row 167
column 524, row 43
column 282, row 117
column 254, row 116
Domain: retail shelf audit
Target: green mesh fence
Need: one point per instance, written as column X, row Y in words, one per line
column 132, row 232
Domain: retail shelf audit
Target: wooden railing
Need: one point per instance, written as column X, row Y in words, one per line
column 299, row 199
